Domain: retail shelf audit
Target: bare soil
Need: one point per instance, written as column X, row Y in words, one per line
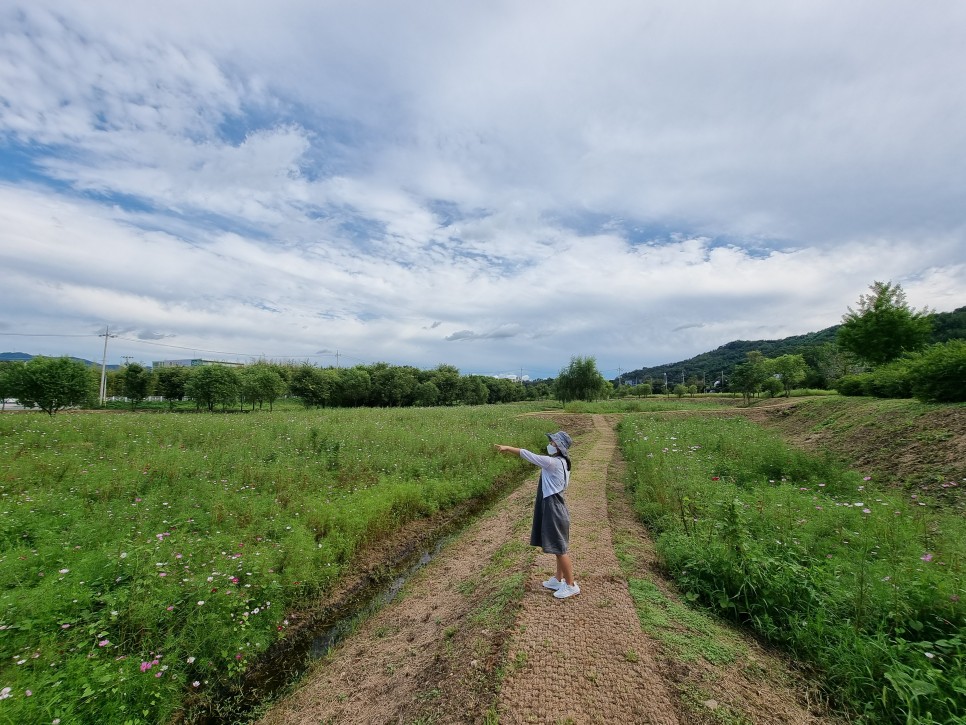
column 920, row 449
column 475, row 638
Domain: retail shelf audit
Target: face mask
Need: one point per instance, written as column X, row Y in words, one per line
column 551, row 449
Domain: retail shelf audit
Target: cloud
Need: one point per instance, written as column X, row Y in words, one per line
column 503, row 333
column 636, row 183
column 150, row 335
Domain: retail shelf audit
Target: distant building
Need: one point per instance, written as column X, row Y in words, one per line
column 193, row 363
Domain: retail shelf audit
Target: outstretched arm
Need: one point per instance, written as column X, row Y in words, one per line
column 507, row 449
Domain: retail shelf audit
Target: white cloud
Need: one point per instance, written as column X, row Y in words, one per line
column 489, row 185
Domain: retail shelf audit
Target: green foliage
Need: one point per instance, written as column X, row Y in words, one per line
column 727, row 356
column 141, row 545
column 314, row 386
column 171, row 383
column 212, row 385
column 137, row 381
column 261, row 383
column 52, row 383
column 473, row 390
column 884, row 326
column 949, row 325
column 581, row 380
column 892, row 380
column 852, row 384
column 939, row 373
column 426, row 394
column 789, row 370
column 827, row 362
column 749, row 377
column 9, row 379
column 853, row 579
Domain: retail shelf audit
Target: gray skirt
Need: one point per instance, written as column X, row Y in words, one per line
column 551, row 523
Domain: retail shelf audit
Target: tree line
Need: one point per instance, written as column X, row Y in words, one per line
column 55, row 383
column 883, row 348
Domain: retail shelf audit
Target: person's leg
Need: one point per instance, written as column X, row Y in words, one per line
column 565, row 569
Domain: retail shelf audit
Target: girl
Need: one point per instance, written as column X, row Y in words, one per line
column 551, row 519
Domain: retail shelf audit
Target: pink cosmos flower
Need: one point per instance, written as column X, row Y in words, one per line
column 926, row 557
column 104, row 643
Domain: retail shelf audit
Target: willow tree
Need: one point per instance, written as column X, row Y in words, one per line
column 581, row 381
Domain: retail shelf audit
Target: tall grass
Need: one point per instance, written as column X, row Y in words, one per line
column 146, row 558
column 653, row 404
column 859, row 582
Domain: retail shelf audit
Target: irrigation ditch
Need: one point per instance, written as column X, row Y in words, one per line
column 380, row 571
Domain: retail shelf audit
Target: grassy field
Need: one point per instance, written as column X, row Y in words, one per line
column 861, row 581
column 146, row 559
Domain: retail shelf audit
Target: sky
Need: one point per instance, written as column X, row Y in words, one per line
column 497, row 185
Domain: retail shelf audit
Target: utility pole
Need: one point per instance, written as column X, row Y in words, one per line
column 619, row 374
column 336, row 359
column 106, row 335
column 127, row 359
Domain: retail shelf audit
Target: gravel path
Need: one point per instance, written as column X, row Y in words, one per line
column 584, row 659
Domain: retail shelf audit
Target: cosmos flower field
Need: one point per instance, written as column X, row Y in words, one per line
column 148, row 559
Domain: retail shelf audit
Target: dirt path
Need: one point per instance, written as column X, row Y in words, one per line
column 475, row 638
column 586, row 659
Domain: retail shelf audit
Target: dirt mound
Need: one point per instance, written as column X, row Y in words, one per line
column 901, row 443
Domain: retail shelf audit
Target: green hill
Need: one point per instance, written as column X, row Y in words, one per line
column 708, row 366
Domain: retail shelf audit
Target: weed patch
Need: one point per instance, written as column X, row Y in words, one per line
column 855, row 579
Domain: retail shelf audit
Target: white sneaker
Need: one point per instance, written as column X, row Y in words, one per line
column 566, row 590
column 553, row 583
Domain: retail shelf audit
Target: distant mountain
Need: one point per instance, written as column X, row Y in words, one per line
column 24, row 357
column 709, row 365
column 949, row 325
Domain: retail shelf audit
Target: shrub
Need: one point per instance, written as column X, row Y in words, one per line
column 939, row 374
column 893, row 380
column 852, row 384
